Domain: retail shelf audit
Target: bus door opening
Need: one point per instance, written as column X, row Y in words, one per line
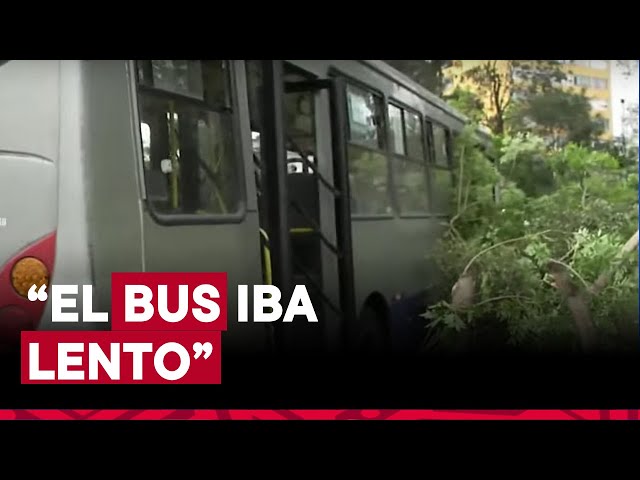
column 297, row 228
column 303, row 197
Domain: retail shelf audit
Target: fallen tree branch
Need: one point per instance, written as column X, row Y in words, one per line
column 503, row 297
column 505, row 242
column 578, row 299
column 577, row 302
column 568, row 267
column 455, row 218
column 463, row 290
column 602, row 281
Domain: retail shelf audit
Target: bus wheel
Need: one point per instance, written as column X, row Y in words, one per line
column 372, row 333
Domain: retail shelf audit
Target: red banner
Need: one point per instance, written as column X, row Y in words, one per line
column 169, row 301
column 318, row 414
column 121, row 357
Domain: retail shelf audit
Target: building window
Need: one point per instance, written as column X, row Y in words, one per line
column 368, row 163
column 583, row 81
column 190, row 165
column 595, row 64
column 591, row 82
column 604, row 123
column 409, row 163
column 599, row 83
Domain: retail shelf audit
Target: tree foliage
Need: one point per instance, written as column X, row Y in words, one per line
column 502, row 82
column 514, row 96
column 428, row 73
column 533, row 266
column 561, row 116
column 468, row 103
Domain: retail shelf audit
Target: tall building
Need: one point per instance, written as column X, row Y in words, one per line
column 625, row 78
column 591, row 75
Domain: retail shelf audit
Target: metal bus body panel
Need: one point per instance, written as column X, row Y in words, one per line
column 29, row 107
column 232, row 248
column 29, row 162
column 28, row 187
column 81, row 117
column 228, row 245
column 28, row 153
column 113, row 196
column 390, row 256
column 73, row 263
column 390, row 252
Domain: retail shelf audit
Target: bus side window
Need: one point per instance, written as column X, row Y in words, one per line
column 368, row 163
column 441, row 175
column 440, row 145
column 188, row 137
column 409, row 163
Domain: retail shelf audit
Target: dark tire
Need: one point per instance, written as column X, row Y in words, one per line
column 372, row 333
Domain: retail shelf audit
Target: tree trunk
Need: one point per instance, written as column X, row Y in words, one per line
column 603, row 279
column 578, row 303
column 578, row 298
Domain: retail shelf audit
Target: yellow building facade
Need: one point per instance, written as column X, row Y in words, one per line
column 594, row 76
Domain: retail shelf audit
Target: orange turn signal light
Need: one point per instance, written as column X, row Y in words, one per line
column 26, row 272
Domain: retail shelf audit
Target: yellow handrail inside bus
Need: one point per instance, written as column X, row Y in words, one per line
column 301, row 230
column 266, row 252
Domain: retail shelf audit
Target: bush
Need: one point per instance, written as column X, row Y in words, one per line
column 557, row 214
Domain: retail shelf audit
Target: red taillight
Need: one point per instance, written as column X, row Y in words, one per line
column 33, row 264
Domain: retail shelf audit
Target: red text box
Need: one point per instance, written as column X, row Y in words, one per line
column 153, row 301
column 120, row 357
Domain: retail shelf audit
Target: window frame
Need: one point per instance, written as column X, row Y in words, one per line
column 396, row 157
column 385, row 121
column 432, row 165
column 421, row 118
column 390, row 144
column 593, row 83
column 349, row 80
column 447, row 144
column 137, row 89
